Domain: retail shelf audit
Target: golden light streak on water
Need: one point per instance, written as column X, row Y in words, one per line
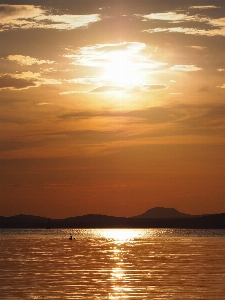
column 113, row 264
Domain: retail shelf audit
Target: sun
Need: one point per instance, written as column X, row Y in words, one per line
column 121, row 69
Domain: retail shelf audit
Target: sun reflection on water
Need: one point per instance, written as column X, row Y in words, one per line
column 112, row 264
column 117, row 275
column 122, row 235
column 121, row 265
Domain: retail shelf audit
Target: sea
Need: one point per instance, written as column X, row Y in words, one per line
column 156, row 264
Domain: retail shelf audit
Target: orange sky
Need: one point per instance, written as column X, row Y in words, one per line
column 112, row 107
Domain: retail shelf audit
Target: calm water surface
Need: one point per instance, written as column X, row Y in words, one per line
column 112, row 264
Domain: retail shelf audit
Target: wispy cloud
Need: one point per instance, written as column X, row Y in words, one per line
column 204, row 7
column 153, row 87
column 197, row 47
column 129, row 89
column 68, row 92
column 153, row 115
column 24, row 80
column 30, row 16
column 84, row 80
column 14, row 82
column 14, row 13
column 217, row 22
column 191, row 31
column 222, row 86
column 176, row 93
column 66, row 22
column 185, row 68
column 141, row 88
column 27, row 60
column 107, row 89
column 43, row 103
column 209, row 26
column 172, row 17
column 181, row 119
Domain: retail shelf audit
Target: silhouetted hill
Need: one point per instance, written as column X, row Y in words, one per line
column 23, row 221
column 162, row 212
column 93, row 221
column 159, row 218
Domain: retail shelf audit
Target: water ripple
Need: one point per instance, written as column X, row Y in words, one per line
column 116, row 264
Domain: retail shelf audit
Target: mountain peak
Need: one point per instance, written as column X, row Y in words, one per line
column 162, row 212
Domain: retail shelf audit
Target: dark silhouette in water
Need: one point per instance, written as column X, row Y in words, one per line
column 71, row 237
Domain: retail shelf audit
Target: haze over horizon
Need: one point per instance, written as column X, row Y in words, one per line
column 112, row 107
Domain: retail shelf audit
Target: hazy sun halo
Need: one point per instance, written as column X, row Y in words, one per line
column 121, row 69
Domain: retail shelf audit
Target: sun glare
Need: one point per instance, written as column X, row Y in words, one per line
column 121, row 69
column 122, row 235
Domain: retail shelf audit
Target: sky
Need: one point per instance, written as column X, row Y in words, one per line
column 112, row 107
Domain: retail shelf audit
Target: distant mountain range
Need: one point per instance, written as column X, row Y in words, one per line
column 158, row 217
